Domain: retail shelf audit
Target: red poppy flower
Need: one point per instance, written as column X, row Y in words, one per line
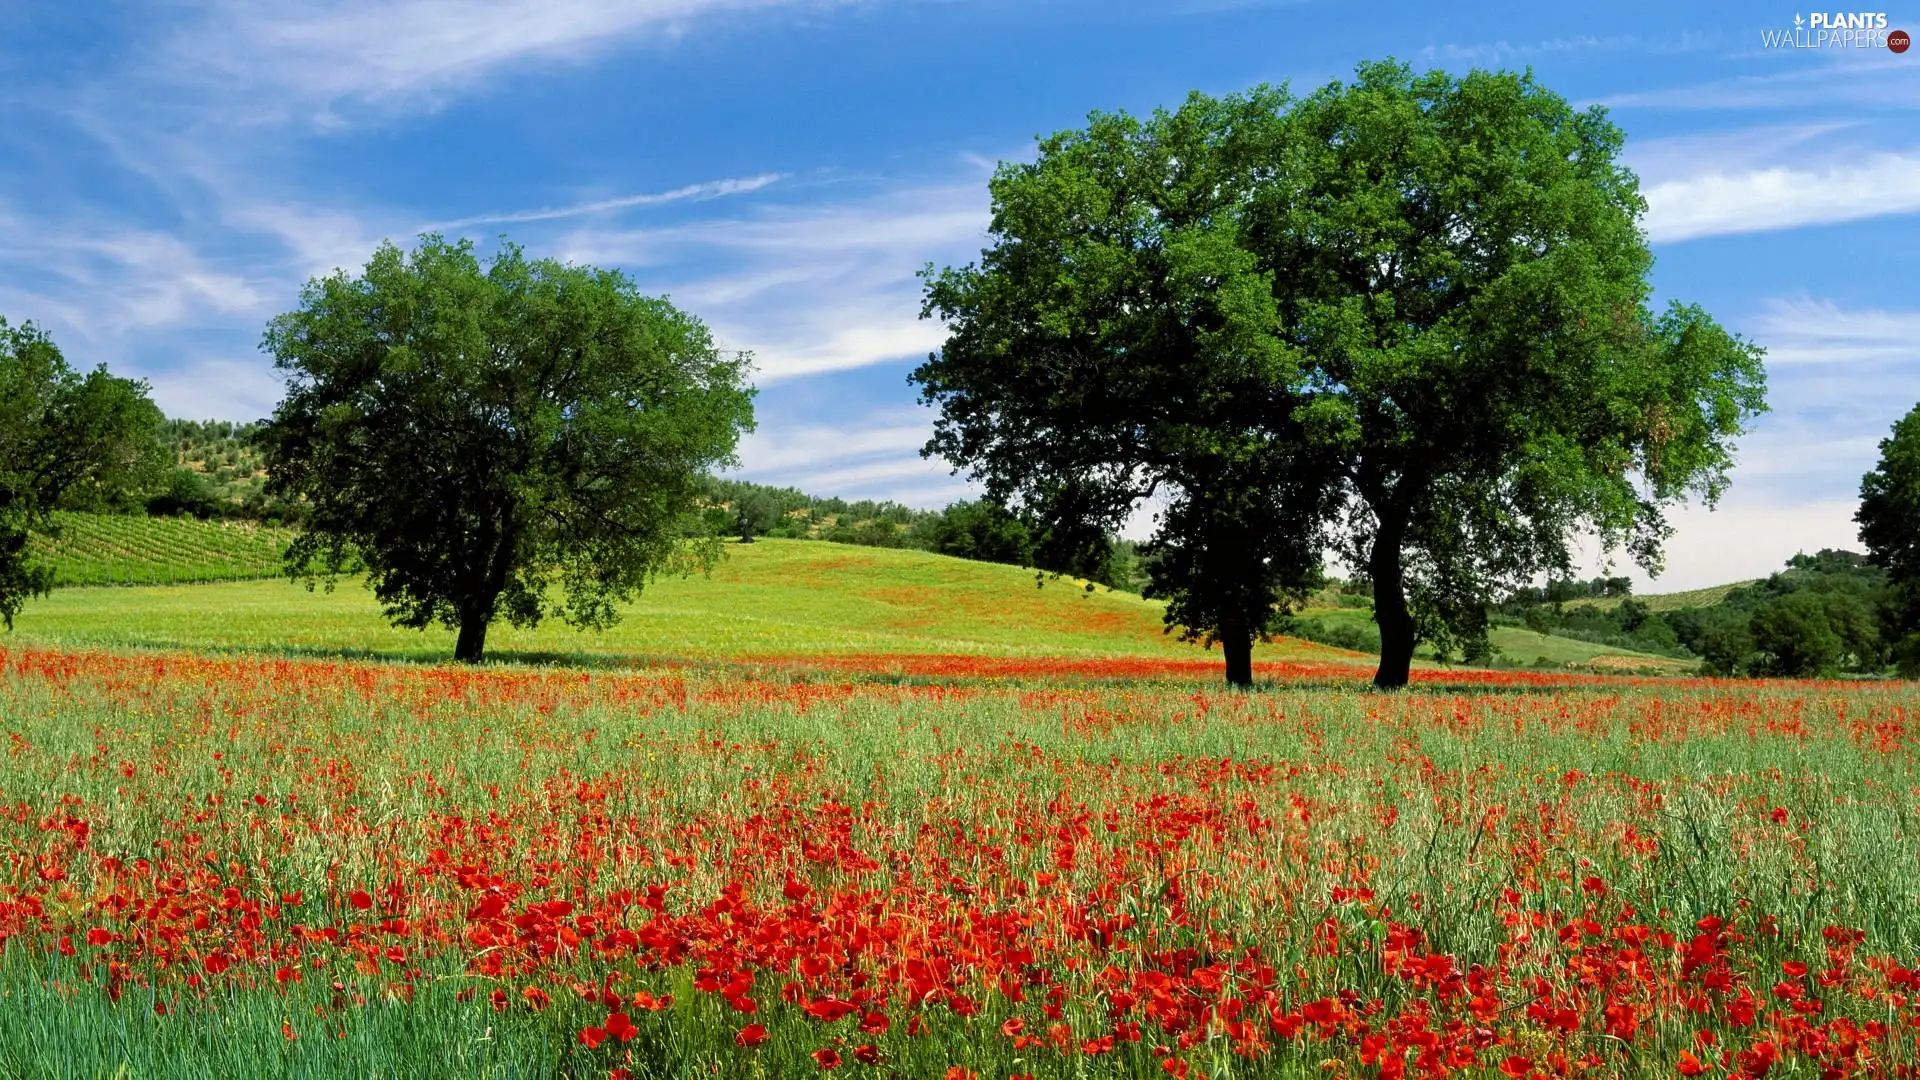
column 751, row 1035
column 592, row 1037
column 826, row 1058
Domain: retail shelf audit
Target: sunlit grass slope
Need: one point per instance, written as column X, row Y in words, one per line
column 774, row 597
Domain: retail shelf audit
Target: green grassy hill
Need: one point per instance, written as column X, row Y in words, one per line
column 1673, row 601
column 774, row 597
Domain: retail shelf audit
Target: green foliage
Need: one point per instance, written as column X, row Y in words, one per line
column 1793, row 636
column 1461, row 267
column 476, row 435
column 1819, row 616
column 981, row 530
column 985, row 531
column 1407, row 316
column 67, row 441
column 219, row 471
column 1889, row 519
column 1339, row 633
column 1119, row 340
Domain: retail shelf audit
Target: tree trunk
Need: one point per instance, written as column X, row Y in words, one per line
column 478, row 608
column 473, row 639
column 1237, row 644
column 1390, row 611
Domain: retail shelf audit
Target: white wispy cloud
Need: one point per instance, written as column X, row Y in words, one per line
column 235, row 388
column 1498, row 52
column 1783, row 197
column 303, row 59
column 1749, row 535
column 802, row 447
column 859, row 478
column 1680, row 157
column 98, row 281
column 711, row 189
column 872, row 456
column 1805, row 331
column 1838, row 377
column 807, row 288
column 1875, row 82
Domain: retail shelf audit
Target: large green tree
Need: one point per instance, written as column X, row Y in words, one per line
column 1889, row 520
column 1405, row 319
column 475, row 435
column 67, row 440
column 1462, row 275
column 1119, row 342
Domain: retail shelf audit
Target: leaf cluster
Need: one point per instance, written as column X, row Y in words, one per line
column 476, row 434
column 68, row 441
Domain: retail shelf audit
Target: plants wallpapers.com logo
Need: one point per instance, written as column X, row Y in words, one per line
column 1838, row 30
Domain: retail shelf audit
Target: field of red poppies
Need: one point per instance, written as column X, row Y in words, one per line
column 947, row 867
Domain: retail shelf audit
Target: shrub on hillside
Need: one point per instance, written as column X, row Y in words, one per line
column 981, row 530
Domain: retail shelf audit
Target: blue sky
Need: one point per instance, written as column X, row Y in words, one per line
column 170, row 173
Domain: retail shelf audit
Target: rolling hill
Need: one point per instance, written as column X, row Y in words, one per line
column 770, row 598
column 123, row 549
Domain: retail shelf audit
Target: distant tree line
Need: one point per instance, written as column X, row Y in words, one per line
column 1829, row 613
column 969, row 529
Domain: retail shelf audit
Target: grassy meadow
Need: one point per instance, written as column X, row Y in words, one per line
column 770, row 598
column 261, row 867
column 879, row 813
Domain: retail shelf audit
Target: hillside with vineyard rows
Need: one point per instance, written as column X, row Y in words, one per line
column 129, row 549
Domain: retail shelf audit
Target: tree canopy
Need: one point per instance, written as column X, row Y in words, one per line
column 67, row 441
column 1889, row 520
column 1117, row 341
column 473, row 435
column 1405, row 319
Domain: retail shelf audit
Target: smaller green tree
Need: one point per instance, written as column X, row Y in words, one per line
column 754, row 512
column 1794, row 637
column 982, row 530
column 67, row 440
column 473, row 435
column 1889, row 520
